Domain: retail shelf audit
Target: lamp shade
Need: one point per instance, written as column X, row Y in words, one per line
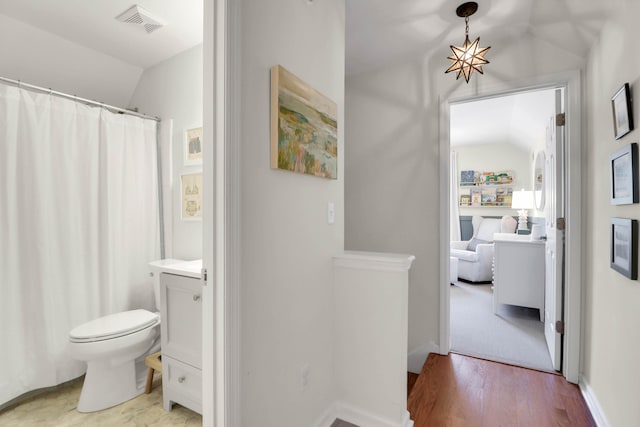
column 522, row 200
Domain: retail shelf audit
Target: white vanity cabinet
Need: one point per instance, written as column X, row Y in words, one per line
column 181, row 330
column 518, row 276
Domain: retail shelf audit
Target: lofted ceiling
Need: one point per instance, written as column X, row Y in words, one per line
column 384, row 32
column 92, row 23
column 379, row 32
column 519, row 118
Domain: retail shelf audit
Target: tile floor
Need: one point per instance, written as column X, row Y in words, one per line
column 58, row 408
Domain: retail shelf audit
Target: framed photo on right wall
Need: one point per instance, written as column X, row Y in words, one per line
column 622, row 116
column 623, row 169
column 624, row 247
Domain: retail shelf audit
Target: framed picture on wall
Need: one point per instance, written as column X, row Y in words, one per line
column 191, row 196
column 622, row 116
column 193, row 146
column 623, row 167
column 624, row 247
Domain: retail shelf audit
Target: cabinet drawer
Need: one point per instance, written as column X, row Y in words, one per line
column 182, row 378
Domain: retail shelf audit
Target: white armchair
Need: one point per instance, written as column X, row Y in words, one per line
column 475, row 256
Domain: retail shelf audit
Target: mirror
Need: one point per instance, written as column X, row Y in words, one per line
column 538, row 180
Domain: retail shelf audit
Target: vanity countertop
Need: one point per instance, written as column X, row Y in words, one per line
column 179, row 267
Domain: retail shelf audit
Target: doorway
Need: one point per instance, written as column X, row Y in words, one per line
column 570, row 306
column 497, row 301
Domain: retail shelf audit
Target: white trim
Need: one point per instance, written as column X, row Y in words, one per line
column 373, row 261
column 327, row 418
column 445, row 229
column 573, row 294
column 573, row 246
column 357, row 416
column 208, row 220
column 592, row 402
column 221, row 312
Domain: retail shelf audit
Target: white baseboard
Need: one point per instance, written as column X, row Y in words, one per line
column 327, row 418
column 593, row 404
column 416, row 359
column 358, row 417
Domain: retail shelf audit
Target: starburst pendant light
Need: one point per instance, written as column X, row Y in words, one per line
column 469, row 57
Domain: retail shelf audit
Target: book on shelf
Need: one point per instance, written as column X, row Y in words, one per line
column 504, row 196
column 489, row 197
column 465, row 200
column 466, row 177
column 497, row 178
column 476, row 197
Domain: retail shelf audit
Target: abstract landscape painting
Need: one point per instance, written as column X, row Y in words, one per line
column 304, row 129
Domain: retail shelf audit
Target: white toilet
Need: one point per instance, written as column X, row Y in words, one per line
column 114, row 348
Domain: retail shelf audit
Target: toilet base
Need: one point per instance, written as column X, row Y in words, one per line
column 106, row 385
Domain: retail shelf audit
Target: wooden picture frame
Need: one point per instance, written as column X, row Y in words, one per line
column 191, row 196
column 622, row 115
column 193, row 146
column 623, row 167
column 304, row 127
column 624, row 247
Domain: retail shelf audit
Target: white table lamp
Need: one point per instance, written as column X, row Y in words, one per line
column 522, row 200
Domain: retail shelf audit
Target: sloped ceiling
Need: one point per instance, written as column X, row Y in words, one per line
column 519, row 119
column 380, row 32
column 91, row 23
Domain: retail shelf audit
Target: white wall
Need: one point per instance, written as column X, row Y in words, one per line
column 286, row 243
column 392, row 180
column 495, row 157
column 37, row 57
column 173, row 90
column 612, row 316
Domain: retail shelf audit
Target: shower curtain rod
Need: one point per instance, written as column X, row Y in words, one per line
column 77, row 98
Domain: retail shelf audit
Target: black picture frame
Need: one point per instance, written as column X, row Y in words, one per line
column 622, row 115
column 623, row 170
column 624, row 247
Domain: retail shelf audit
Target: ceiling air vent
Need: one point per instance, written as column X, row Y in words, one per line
column 139, row 16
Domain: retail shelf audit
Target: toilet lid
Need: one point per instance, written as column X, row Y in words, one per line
column 114, row 325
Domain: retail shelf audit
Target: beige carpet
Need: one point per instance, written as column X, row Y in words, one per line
column 514, row 335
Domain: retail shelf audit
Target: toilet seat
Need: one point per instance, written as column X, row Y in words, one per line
column 114, row 326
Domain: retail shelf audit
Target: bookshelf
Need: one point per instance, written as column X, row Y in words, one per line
column 486, row 189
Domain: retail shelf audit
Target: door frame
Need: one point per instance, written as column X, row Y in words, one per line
column 221, row 208
column 571, row 81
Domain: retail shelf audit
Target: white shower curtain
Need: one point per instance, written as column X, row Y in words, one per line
column 78, row 225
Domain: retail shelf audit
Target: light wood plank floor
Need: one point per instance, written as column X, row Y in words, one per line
column 457, row 390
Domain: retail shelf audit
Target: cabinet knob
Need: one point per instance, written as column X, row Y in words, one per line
column 181, row 379
column 196, row 298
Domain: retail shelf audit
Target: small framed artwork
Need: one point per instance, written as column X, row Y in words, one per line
column 191, row 196
column 622, row 116
column 193, row 146
column 623, row 167
column 624, row 244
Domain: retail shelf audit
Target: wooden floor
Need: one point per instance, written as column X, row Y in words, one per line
column 457, row 390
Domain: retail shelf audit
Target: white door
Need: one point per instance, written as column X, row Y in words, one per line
column 554, row 209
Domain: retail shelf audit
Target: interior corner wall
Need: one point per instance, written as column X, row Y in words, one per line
column 173, row 90
column 610, row 356
column 392, row 181
column 286, row 243
column 34, row 56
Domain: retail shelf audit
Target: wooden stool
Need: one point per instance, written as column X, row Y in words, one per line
column 154, row 362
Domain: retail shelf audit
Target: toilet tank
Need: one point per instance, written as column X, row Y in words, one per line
column 155, row 269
